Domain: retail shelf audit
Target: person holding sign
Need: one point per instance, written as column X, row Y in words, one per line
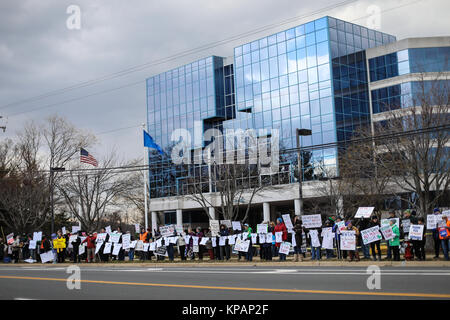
column 248, row 232
column 395, row 242
column 375, row 223
column 444, row 235
column 280, row 227
column 75, row 241
column 90, row 241
column 419, row 245
column 436, row 239
column 224, row 250
column 353, row 254
column 298, row 229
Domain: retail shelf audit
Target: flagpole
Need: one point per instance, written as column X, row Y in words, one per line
column 145, row 183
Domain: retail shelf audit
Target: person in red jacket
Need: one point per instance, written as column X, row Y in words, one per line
column 90, row 240
column 280, row 227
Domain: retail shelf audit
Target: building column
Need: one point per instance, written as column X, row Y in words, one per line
column 266, row 211
column 154, row 222
column 212, row 213
column 179, row 217
column 298, row 207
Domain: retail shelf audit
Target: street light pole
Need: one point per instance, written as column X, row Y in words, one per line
column 300, row 132
column 52, row 185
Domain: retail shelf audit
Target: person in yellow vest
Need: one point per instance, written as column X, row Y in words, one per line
column 59, row 244
column 444, row 235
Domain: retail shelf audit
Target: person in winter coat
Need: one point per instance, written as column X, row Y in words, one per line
column 90, row 247
column 353, row 254
column 419, row 245
column 16, row 249
column 182, row 246
column 224, row 250
column 60, row 245
column 375, row 223
column 76, row 247
column 395, row 242
column 199, row 234
column 280, row 227
column 298, row 229
column 208, row 245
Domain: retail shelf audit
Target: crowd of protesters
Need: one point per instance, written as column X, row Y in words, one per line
column 66, row 247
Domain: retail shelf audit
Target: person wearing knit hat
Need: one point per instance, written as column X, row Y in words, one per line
column 435, row 232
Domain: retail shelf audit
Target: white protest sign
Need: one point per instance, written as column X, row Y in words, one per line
column 137, row 228
column 386, row 222
column 10, row 238
column 254, row 236
column 159, row 242
column 81, row 249
column 108, row 229
column 312, row 221
column 75, row 229
column 261, row 228
column 327, row 241
column 133, row 244
column 117, row 247
column 126, row 241
column 101, row 237
column 187, row 239
column 387, row 232
column 73, row 238
column 214, row 226
column 269, row 238
column 406, row 223
column 434, row 221
column 227, row 223
column 232, row 239
column 278, row 237
column 107, row 248
column 244, row 246
column 416, row 232
column 204, row 241
column 195, row 240
column 364, row 212
column 237, row 246
column 47, row 256
column 63, row 230
column 98, row 246
column 284, row 248
column 214, row 242
column 371, row 235
column 340, row 226
column 167, row 231
column 32, row 245
column 325, row 231
column 315, row 242
column 139, row 245
column 195, row 249
column 348, row 240
column 287, row 221
column 179, row 229
column 173, row 240
column 222, row 241
column 37, row 236
column 236, row 225
column 294, row 242
column 146, row 247
column 152, row 246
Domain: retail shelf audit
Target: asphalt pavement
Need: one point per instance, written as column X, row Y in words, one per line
column 251, row 282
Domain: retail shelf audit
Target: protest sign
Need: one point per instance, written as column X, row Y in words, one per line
column 101, row 237
column 254, row 238
column 385, row 222
column 187, row 239
column 108, row 229
column 133, row 244
column 327, row 241
column 227, row 223
column 37, row 236
column 244, row 246
column 63, row 229
column 214, row 226
column 115, row 237
column 173, row 240
column 214, row 242
column 387, row 232
column 167, row 231
column 137, row 228
column 159, row 242
column 315, row 242
column 81, row 249
column 107, row 248
column 236, row 225
column 10, row 238
column 152, row 246
column 294, row 242
column 364, row 212
column 406, row 223
column 261, row 228
column 204, row 241
column 237, row 246
column 340, row 226
column 117, row 247
column 146, row 247
column 284, row 248
column 32, row 245
column 139, row 245
column 195, row 240
column 195, row 249
column 75, row 229
column 232, row 239
column 348, row 240
column 126, row 241
column 47, row 256
column 416, row 232
column 326, row 230
column 434, row 221
column 278, row 237
column 222, row 241
column 312, row 221
column 269, row 238
column 179, row 229
column 98, row 246
column 287, row 221
column 161, row 251
column 73, row 238
column 371, row 235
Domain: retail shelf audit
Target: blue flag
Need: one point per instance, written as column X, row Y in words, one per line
column 150, row 143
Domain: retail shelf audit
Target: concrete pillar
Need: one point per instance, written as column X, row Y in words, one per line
column 298, row 207
column 212, row 213
column 266, row 211
column 179, row 217
column 154, row 222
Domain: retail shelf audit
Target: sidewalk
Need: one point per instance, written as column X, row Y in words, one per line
column 236, row 263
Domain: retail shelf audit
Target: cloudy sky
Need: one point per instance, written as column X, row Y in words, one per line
column 40, row 54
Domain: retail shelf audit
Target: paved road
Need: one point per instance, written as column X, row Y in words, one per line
column 211, row 283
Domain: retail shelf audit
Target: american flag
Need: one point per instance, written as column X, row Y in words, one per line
column 85, row 157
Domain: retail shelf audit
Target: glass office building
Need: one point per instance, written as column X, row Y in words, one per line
column 314, row 76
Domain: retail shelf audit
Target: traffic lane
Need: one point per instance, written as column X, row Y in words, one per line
column 246, row 279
